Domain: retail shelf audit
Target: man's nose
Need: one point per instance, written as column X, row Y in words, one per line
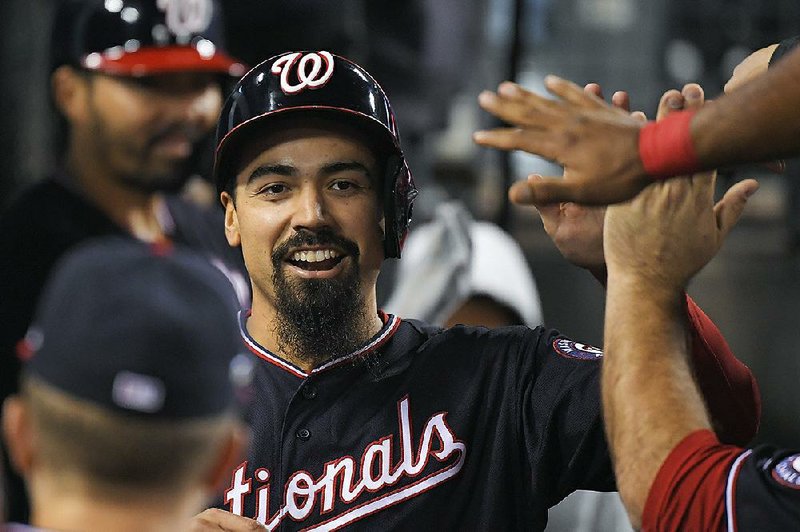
column 199, row 109
column 311, row 212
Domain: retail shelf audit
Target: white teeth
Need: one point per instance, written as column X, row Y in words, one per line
column 314, row 256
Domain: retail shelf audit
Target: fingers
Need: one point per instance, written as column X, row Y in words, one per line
column 523, row 193
column 622, row 100
column 515, row 105
column 220, row 520
column 538, row 142
column 728, row 210
column 550, row 190
column 693, row 96
column 594, row 89
column 571, row 93
column 640, row 116
column 619, row 99
column 671, row 101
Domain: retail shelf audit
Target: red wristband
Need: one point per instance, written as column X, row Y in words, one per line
column 666, row 148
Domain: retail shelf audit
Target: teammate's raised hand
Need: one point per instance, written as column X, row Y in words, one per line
column 598, row 142
column 672, row 229
column 576, row 230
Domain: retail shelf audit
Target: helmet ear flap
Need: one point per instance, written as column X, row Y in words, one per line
column 398, row 199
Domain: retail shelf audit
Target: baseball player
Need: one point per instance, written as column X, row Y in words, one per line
column 362, row 419
column 613, row 156
column 125, row 419
column 672, row 471
column 137, row 86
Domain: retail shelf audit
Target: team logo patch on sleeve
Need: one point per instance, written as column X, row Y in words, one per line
column 787, row 472
column 569, row 349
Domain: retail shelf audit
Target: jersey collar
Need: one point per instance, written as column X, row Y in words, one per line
column 390, row 326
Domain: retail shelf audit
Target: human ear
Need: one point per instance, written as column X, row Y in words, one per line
column 231, row 220
column 70, row 90
column 18, row 434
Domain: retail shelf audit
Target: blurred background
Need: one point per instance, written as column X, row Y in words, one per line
column 434, row 56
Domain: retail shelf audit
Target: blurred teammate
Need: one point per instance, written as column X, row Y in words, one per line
column 125, row 418
column 481, row 276
column 137, row 86
column 360, row 417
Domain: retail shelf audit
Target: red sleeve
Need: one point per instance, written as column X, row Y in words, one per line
column 729, row 388
column 688, row 492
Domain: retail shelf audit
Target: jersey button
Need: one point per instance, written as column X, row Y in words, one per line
column 310, row 391
column 303, row 434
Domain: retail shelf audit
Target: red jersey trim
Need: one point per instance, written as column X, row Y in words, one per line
column 689, row 490
column 391, row 324
column 730, row 490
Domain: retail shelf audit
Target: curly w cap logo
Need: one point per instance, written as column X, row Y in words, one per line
column 187, row 17
column 311, row 71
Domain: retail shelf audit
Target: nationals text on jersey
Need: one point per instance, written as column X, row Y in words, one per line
column 348, row 478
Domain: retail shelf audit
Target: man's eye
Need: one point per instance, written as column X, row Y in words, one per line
column 343, row 185
column 275, row 188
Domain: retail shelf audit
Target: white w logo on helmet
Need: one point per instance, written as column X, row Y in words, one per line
column 185, row 17
column 309, row 73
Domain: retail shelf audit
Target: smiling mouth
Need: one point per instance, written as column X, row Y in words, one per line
column 316, row 259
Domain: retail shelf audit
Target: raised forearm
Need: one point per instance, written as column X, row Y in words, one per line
column 759, row 121
column 650, row 399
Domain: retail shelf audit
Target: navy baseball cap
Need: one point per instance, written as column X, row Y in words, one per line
column 141, row 37
column 148, row 331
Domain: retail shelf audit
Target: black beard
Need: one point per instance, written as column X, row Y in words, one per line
column 319, row 319
column 173, row 182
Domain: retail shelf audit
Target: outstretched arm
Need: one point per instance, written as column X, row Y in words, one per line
column 653, row 246
column 613, row 156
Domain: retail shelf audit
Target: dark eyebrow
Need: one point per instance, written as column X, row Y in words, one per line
column 344, row 166
column 271, row 169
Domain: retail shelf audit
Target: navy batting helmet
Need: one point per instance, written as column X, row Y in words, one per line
column 141, row 37
column 320, row 82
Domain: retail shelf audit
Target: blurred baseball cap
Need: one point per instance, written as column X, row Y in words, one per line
column 474, row 258
column 142, row 330
column 141, row 37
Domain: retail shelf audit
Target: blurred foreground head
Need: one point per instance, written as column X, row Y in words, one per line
column 126, row 405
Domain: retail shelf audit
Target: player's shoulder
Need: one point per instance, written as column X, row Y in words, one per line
column 543, row 340
column 476, row 334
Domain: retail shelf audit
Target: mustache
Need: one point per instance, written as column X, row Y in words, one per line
column 192, row 133
column 322, row 237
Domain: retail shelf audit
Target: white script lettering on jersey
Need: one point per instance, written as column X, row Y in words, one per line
column 309, row 72
column 348, row 478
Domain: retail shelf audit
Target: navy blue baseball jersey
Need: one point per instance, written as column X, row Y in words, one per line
column 704, row 485
column 463, row 429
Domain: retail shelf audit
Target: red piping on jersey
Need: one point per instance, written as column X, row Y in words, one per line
column 391, row 324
